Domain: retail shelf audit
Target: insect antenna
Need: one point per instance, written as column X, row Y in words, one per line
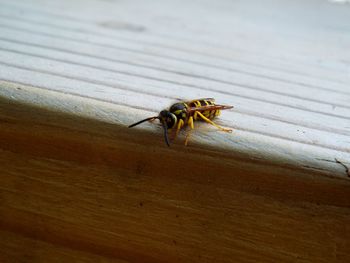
column 139, row 122
column 165, row 128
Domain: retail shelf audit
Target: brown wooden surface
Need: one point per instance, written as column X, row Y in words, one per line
column 76, row 185
column 80, row 190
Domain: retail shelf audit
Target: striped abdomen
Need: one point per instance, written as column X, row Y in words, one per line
column 209, row 113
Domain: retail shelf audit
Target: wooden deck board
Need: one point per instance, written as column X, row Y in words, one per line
column 75, row 74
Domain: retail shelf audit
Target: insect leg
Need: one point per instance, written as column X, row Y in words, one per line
column 179, row 126
column 212, row 123
column 190, row 123
column 195, row 115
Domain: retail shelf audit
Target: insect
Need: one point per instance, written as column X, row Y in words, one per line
column 185, row 113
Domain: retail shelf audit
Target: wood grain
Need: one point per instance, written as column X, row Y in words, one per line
column 77, row 185
column 88, row 187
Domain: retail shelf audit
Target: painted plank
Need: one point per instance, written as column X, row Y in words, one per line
column 74, row 75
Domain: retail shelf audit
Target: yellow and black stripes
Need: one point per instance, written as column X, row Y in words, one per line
column 209, row 114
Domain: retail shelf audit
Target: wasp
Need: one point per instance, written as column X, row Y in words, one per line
column 186, row 113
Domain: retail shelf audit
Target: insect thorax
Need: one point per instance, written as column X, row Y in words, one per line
column 180, row 110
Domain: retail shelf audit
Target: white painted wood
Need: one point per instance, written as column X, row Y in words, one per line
column 288, row 80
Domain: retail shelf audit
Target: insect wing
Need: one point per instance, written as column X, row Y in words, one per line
column 210, row 108
column 202, row 99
